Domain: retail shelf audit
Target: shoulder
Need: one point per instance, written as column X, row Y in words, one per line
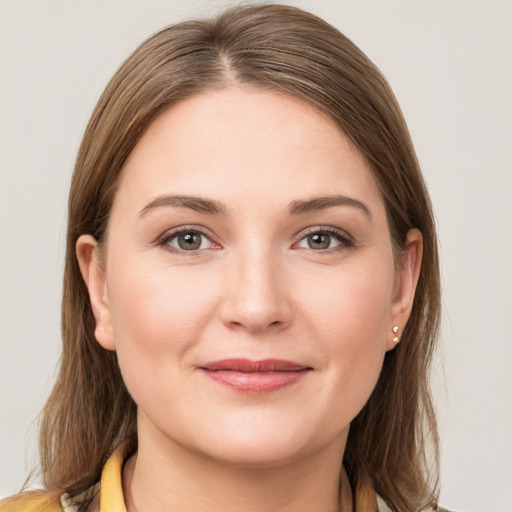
column 31, row 501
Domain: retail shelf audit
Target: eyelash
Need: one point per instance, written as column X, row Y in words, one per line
column 345, row 240
column 164, row 240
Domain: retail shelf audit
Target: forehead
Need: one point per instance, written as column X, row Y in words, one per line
column 243, row 144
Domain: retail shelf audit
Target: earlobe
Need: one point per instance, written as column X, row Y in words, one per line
column 93, row 274
column 407, row 276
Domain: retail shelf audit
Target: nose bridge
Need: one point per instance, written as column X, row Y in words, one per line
column 257, row 296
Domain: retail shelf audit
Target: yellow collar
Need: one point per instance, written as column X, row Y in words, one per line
column 111, row 493
column 112, row 499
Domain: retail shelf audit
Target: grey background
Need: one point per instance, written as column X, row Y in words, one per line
column 449, row 62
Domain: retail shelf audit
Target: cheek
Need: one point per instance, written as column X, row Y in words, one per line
column 146, row 296
column 350, row 323
column 157, row 317
column 351, row 305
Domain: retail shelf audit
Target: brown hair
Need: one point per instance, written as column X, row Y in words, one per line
column 288, row 50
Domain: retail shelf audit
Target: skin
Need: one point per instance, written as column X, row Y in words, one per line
column 257, row 288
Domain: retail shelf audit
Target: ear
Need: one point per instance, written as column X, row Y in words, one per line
column 406, row 279
column 93, row 274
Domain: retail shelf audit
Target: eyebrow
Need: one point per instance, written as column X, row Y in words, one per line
column 199, row 204
column 322, row 203
column 212, row 207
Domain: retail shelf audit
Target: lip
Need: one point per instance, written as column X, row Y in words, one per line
column 256, row 377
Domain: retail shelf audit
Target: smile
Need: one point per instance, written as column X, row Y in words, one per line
column 255, row 377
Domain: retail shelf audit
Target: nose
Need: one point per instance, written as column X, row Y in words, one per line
column 257, row 298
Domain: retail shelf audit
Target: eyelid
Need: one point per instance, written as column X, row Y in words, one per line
column 346, row 239
column 164, row 238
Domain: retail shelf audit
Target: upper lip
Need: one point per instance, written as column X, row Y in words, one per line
column 248, row 366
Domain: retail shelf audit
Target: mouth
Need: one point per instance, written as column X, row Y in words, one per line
column 256, row 377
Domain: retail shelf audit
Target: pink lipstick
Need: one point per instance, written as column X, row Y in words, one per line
column 255, row 376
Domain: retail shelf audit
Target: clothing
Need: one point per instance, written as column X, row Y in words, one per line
column 111, row 498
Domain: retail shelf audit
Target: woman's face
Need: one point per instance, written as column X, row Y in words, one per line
column 249, row 286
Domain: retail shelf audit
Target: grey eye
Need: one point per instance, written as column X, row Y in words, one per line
column 320, row 241
column 189, row 241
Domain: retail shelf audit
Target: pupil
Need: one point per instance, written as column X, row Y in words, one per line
column 189, row 241
column 319, row 241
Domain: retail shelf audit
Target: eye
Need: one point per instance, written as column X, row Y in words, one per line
column 322, row 240
column 187, row 240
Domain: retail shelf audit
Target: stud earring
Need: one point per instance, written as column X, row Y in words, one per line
column 395, row 331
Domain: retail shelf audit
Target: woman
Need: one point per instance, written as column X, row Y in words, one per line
column 251, row 293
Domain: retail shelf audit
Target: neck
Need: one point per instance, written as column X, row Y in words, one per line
column 165, row 476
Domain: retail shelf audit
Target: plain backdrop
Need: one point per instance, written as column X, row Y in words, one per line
column 450, row 64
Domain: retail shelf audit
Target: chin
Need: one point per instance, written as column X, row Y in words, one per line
column 256, row 456
column 265, row 447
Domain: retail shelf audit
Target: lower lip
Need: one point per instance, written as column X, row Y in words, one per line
column 257, row 382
